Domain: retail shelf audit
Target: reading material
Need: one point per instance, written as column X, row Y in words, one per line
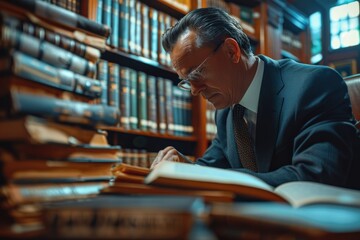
column 123, row 217
column 175, row 174
column 268, row 220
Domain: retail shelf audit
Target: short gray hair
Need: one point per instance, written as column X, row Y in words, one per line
column 212, row 26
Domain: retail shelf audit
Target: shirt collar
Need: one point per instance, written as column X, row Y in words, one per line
column 251, row 98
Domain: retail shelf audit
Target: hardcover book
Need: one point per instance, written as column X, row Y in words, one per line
column 32, row 69
column 296, row 194
column 45, row 51
column 280, row 221
column 46, row 171
column 65, row 151
column 17, row 194
column 129, row 186
column 36, row 130
column 20, row 23
column 62, row 16
column 123, row 217
column 64, row 110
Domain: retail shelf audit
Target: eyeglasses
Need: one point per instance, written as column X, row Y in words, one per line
column 185, row 84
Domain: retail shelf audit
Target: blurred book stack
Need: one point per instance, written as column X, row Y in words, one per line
column 50, row 112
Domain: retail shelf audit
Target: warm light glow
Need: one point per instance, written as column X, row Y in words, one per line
column 353, row 9
column 344, row 26
column 316, row 58
column 335, row 42
column 316, row 43
column 350, row 38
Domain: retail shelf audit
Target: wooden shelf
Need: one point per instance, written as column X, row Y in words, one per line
column 247, row 3
column 167, row 7
column 294, row 20
column 139, row 63
column 150, row 134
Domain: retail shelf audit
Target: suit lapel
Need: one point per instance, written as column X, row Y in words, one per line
column 269, row 110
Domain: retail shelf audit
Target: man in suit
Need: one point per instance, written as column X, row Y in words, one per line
column 298, row 117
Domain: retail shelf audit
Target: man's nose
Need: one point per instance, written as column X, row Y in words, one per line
column 196, row 90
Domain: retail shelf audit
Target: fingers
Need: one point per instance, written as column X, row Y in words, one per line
column 167, row 154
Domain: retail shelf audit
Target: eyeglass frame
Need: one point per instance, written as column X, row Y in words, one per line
column 187, row 81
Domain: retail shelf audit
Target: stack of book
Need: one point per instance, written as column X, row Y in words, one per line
column 50, row 111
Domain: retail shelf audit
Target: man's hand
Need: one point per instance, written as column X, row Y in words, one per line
column 169, row 154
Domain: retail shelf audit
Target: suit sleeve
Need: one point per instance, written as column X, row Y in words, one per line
column 214, row 155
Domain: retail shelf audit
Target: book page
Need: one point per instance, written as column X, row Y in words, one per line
column 185, row 171
column 306, row 193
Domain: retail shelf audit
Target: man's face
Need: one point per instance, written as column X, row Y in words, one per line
column 207, row 69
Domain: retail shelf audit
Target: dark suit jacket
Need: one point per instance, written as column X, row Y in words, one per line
column 305, row 129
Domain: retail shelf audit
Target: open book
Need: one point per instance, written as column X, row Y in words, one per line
column 269, row 220
column 183, row 175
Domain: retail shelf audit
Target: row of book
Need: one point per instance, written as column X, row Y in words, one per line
column 146, row 102
column 71, row 5
column 136, row 27
column 144, row 106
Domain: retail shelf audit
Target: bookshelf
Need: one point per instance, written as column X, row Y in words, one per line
column 265, row 22
column 196, row 142
column 294, row 39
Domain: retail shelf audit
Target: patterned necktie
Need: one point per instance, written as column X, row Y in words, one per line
column 243, row 140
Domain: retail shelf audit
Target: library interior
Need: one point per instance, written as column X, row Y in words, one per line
column 103, row 137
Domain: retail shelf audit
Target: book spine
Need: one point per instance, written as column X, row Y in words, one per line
column 107, row 16
column 142, row 102
column 78, row 6
column 117, row 223
column 32, row 69
column 145, row 31
column 167, row 60
column 103, row 76
column 63, row 16
column 187, row 101
column 46, row 52
column 177, row 110
column 138, row 29
column 169, row 115
column 115, row 23
column 161, row 50
column 132, row 27
column 154, row 40
column 134, row 117
column 113, row 87
column 152, row 104
column 64, row 110
column 125, row 97
column 55, row 192
column 99, row 11
column 210, row 120
column 124, row 25
column 143, row 160
column 161, row 105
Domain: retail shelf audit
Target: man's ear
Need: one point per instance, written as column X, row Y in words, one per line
column 232, row 50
